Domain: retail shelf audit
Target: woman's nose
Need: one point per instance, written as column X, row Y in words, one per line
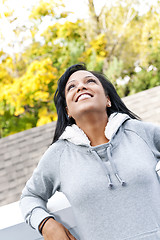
column 81, row 87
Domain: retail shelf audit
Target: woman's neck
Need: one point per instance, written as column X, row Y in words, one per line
column 94, row 128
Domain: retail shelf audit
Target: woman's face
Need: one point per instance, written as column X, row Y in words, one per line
column 84, row 94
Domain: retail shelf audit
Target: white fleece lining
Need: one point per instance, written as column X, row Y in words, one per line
column 76, row 135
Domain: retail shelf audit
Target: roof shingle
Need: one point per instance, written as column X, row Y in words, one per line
column 19, row 155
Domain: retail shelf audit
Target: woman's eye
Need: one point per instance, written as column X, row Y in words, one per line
column 70, row 87
column 91, row 80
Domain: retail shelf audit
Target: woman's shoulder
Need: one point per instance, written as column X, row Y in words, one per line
column 58, row 144
column 54, row 151
column 140, row 124
column 143, row 129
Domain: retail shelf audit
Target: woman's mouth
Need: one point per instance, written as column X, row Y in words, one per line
column 83, row 96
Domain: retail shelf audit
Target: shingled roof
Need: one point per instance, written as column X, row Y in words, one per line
column 145, row 104
column 20, row 152
column 19, row 155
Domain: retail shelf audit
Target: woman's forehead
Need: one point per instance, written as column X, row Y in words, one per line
column 80, row 74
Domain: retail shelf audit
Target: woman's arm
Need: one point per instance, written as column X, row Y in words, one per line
column 149, row 132
column 53, row 230
column 153, row 135
column 39, row 188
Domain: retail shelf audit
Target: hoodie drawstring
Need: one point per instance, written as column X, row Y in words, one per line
column 122, row 182
column 104, row 167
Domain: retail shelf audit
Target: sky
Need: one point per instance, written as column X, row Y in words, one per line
column 79, row 7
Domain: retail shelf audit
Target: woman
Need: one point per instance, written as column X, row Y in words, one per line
column 103, row 158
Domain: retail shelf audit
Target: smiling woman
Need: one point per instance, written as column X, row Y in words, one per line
column 85, row 98
column 73, row 78
column 103, row 158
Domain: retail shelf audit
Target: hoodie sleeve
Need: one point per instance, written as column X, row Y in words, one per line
column 153, row 135
column 149, row 132
column 40, row 187
column 152, row 132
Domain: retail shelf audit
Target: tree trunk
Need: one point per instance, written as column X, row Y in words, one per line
column 93, row 26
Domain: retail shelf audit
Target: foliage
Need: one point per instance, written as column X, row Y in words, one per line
column 119, row 41
column 28, row 100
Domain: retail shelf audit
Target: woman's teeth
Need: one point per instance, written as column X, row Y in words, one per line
column 84, row 96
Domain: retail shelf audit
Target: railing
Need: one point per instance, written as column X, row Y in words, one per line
column 13, row 227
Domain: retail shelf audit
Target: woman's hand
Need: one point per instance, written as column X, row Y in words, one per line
column 53, row 230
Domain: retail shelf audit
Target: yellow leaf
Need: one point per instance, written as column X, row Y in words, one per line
column 44, row 120
column 19, row 111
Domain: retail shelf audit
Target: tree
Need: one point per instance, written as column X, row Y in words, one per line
column 119, row 41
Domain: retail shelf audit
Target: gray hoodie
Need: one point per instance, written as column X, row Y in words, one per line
column 113, row 188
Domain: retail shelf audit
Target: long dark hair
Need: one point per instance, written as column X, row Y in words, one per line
column 63, row 121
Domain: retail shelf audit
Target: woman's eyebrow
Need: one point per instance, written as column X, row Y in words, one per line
column 70, row 82
column 83, row 78
column 89, row 76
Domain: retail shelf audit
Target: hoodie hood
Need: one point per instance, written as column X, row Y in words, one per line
column 76, row 135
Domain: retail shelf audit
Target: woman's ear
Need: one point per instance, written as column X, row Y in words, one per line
column 108, row 102
column 68, row 112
